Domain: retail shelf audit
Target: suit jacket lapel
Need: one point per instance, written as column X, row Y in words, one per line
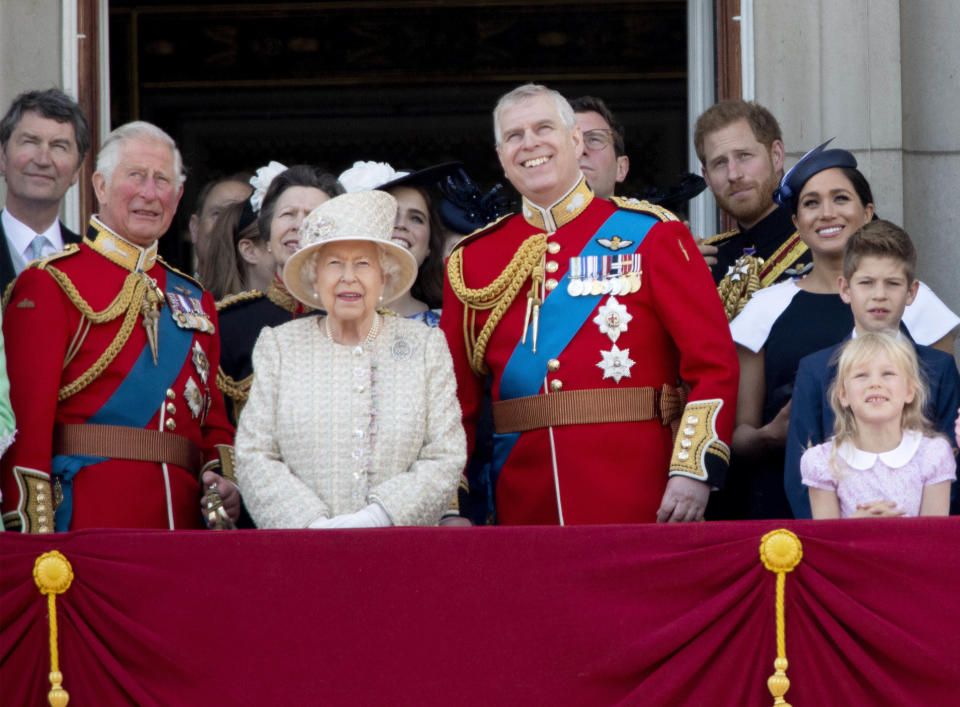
column 7, row 273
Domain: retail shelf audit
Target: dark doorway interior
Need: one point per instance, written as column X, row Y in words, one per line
column 411, row 83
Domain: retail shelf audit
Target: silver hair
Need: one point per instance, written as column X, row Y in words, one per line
column 388, row 266
column 525, row 93
column 109, row 155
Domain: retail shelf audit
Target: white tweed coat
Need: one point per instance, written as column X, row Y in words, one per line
column 330, row 428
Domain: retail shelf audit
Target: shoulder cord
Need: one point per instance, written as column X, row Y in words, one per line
column 127, row 302
column 239, row 390
column 496, row 296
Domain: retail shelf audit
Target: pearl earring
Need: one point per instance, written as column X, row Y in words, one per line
column 315, row 295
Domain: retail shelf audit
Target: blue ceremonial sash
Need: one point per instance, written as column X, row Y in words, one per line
column 563, row 315
column 133, row 403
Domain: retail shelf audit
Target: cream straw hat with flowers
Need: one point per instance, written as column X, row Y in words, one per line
column 356, row 216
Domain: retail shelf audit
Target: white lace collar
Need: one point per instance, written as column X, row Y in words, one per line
column 895, row 458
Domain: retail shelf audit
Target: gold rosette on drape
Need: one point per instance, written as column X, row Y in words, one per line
column 780, row 552
column 53, row 575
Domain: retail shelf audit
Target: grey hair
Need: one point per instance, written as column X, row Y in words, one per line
column 109, row 155
column 388, row 267
column 525, row 93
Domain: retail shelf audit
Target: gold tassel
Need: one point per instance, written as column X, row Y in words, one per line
column 780, row 552
column 53, row 575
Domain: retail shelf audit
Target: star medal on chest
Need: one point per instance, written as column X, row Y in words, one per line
column 200, row 362
column 188, row 312
column 615, row 363
column 194, row 398
column 612, row 318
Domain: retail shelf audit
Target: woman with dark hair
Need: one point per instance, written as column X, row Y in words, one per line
column 282, row 198
column 237, row 256
column 215, row 196
column 829, row 199
column 418, row 228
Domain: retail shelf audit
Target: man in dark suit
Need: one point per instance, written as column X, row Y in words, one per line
column 44, row 138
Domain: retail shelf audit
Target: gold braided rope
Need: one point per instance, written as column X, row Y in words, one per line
column 120, row 304
column 737, row 287
column 237, row 389
column 497, row 296
column 53, row 574
column 106, row 358
column 780, row 552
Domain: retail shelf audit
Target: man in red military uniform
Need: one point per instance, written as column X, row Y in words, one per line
column 112, row 358
column 587, row 314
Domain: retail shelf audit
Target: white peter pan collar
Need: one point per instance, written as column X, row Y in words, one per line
column 894, row 459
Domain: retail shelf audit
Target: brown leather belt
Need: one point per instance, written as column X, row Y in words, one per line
column 589, row 406
column 117, row 442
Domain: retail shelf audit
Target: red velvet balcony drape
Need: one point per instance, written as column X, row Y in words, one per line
column 646, row 615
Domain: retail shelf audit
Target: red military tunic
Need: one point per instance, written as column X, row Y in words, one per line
column 65, row 326
column 611, row 472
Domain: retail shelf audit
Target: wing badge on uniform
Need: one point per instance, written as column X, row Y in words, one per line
column 615, row 243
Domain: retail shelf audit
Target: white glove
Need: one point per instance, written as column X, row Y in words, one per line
column 373, row 516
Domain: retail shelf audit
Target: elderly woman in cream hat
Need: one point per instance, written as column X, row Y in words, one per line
column 352, row 419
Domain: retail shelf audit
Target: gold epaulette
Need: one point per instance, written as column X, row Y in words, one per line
column 387, row 312
column 284, row 300
column 182, row 274
column 238, row 298
column 713, row 240
column 643, row 207
column 40, row 264
column 483, row 230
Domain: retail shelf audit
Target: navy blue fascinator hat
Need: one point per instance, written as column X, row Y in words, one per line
column 465, row 208
column 815, row 161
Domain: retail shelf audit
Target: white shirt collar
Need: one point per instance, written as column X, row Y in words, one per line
column 895, row 458
column 21, row 235
column 853, row 334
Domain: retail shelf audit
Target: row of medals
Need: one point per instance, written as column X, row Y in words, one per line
column 604, row 275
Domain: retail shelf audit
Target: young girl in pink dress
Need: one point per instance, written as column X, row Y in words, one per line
column 883, row 460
